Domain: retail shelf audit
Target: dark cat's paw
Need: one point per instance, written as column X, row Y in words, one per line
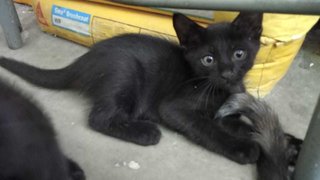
column 246, row 153
column 75, row 172
column 292, row 153
column 77, row 175
column 144, row 133
column 293, row 149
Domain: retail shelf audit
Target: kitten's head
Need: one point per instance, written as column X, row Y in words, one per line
column 223, row 52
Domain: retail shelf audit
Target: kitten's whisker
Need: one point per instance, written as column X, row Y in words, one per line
column 193, row 79
column 196, row 89
column 203, row 93
column 208, row 97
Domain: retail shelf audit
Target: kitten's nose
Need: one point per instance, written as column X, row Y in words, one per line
column 227, row 74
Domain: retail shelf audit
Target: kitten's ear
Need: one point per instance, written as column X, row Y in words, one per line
column 189, row 33
column 249, row 24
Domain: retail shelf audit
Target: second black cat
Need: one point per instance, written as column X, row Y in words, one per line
column 28, row 146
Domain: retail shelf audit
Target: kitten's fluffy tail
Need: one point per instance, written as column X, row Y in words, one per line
column 273, row 162
column 53, row 79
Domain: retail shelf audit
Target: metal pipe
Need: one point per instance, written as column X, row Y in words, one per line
column 273, row 6
column 16, row 18
column 10, row 24
column 308, row 165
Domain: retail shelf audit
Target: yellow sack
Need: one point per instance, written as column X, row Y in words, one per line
column 281, row 40
column 87, row 22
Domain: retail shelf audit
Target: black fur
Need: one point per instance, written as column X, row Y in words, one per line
column 279, row 150
column 136, row 81
column 28, row 147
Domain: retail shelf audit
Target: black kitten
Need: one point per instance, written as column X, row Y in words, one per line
column 28, row 148
column 279, row 150
column 136, row 81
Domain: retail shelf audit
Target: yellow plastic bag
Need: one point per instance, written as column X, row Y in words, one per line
column 28, row 2
column 281, row 40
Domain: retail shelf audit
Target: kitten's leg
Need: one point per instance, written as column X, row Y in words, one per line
column 208, row 134
column 112, row 120
column 75, row 171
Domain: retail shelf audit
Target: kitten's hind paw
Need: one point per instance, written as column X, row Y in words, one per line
column 143, row 133
column 139, row 132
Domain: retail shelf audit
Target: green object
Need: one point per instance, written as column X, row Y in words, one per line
column 308, row 166
column 10, row 24
column 276, row 6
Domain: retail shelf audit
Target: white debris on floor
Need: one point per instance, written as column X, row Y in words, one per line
column 117, row 165
column 132, row 165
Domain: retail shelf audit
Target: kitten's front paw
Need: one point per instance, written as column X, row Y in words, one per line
column 246, row 153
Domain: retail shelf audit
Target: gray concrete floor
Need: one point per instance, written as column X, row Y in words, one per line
column 174, row 158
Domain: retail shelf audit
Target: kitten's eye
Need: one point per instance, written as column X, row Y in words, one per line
column 207, row 60
column 239, row 55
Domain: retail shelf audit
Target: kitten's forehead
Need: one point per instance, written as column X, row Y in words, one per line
column 219, row 36
column 219, row 31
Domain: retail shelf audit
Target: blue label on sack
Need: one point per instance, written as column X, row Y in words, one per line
column 71, row 19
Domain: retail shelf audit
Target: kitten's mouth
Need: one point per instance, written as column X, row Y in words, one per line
column 227, row 82
column 224, row 83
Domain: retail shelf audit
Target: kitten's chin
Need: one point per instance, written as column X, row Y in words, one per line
column 232, row 87
column 237, row 89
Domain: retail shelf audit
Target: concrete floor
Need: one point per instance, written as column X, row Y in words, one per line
column 174, row 158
